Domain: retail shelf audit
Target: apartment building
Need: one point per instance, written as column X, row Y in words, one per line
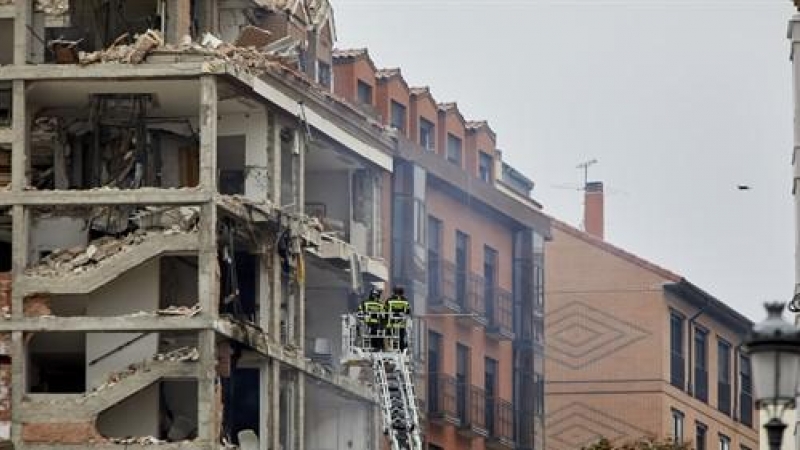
column 635, row 350
column 467, row 244
column 184, row 218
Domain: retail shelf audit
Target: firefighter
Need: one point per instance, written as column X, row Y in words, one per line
column 399, row 311
column 371, row 312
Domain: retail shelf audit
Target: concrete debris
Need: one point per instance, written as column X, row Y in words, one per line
column 144, row 440
column 183, row 354
column 250, row 57
column 6, row 2
column 79, row 259
column 51, row 7
column 168, row 218
column 185, row 311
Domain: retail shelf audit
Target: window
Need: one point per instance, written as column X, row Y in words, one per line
column 677, row 425
column 677, row 363
column 489, row 281
column 434, row 258
column 5, row 105
column 434, row 447
column 398, row 116
column 364, row 93
column 324, row 73
column 490, row 386
column 700, row 436
column 724, row 376
column 462, row 267
column 724, row 442
column 746, row 391
column 427, row 134
column 434, row 366
column 485, row 167
column 454, row 152
column 538, row 397
column 701, row 364
column 462, row 381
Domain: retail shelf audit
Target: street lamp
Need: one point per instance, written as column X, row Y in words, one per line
column 774, row 348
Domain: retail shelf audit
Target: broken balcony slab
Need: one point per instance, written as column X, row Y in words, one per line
column 256, row 339
column 120, row 324
column 53, row 408
column 105, row 196
column 245, row 209
column 374, row 270
column 77, row 278
column 188, row 445
column 115, row 71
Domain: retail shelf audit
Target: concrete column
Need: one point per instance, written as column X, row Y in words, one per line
column 299, row 411
column 208, row 270
column 22, row 37
column 265, row 418
column 20, row 163
column 275, row 405
column 18, row 385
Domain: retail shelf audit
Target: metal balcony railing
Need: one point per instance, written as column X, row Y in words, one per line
column 500, row 422
column 500, row 312
column 441, row 395
column 443, row 286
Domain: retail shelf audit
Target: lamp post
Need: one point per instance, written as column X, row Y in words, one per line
column 774, row 347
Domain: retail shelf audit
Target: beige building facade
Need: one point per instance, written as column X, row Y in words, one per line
column 634, row 350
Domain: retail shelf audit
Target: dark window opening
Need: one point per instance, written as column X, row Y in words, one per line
column 398, row 116
column 724, row 377
column 490, row 387
column 242, row 406
column 434, row 367
column 677, row 362
column 490, row 281
column 238, row 283
column 434, row 258
column 364, row 92
column 462, row 267
column 427, row 134
column 700, row 436
column 231, row 164
column 454, row 149
column 5, row 105
column 701, row 364
column 57, row 363
column 485, row 164
column 324, row 73
column 462, row 381
column 746, row 391
column 677, row 425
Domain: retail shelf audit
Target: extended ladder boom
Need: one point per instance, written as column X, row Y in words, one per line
column 394, row 386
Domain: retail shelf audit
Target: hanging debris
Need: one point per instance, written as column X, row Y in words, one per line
column 185, row 311
column 51, row 7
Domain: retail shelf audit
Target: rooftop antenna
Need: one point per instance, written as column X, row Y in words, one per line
column 585, row 166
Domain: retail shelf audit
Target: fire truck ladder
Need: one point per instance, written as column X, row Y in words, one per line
column 398, row 401
column 393, row 381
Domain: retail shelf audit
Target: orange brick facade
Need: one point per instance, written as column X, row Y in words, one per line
column 472, row 403
column 609, row 359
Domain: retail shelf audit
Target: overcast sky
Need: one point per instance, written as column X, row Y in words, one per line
column 680, row 101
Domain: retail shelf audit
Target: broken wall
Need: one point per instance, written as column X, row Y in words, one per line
column 253, row 126
column 54, row 233
column 328, row 198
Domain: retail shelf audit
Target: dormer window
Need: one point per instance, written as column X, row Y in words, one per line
column 364, row 93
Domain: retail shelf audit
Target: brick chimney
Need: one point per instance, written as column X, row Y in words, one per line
column 593, row 217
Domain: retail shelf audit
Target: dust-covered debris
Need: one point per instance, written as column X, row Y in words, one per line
column 79, row 259
column 184, row 311
column 143, row 440
column 253, row 58
column 6, row 2
column 183, row 354
column 181, row 218
column 52, row 7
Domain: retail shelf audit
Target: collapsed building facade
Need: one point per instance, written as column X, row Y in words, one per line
column 188, row 208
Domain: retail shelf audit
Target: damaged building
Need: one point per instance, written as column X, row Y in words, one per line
column 190, row 198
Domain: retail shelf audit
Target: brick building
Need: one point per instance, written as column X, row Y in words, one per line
column 634, row 350
column 467, row 243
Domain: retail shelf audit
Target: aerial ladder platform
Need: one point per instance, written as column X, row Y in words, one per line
column 392, row 373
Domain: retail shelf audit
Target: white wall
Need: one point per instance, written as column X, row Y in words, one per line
column 50, row 233
column 254, row 127
column 333, row 423
column 136, row 290
column 323, row 313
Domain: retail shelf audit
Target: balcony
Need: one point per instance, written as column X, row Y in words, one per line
column 443, row 293
column 526, row 430
column 499, row 424
column 441, row 399
column 499, row 313
column 471, row 408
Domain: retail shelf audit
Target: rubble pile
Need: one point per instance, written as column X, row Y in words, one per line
column 79, row 259
column 52, row 7
column 144, row 440
column 183, row 354
column 183, row 311
column 251, row 58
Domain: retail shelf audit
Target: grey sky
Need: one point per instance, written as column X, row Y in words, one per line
column 679, row 100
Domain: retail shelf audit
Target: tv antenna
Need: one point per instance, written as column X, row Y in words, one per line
column 585, row 166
